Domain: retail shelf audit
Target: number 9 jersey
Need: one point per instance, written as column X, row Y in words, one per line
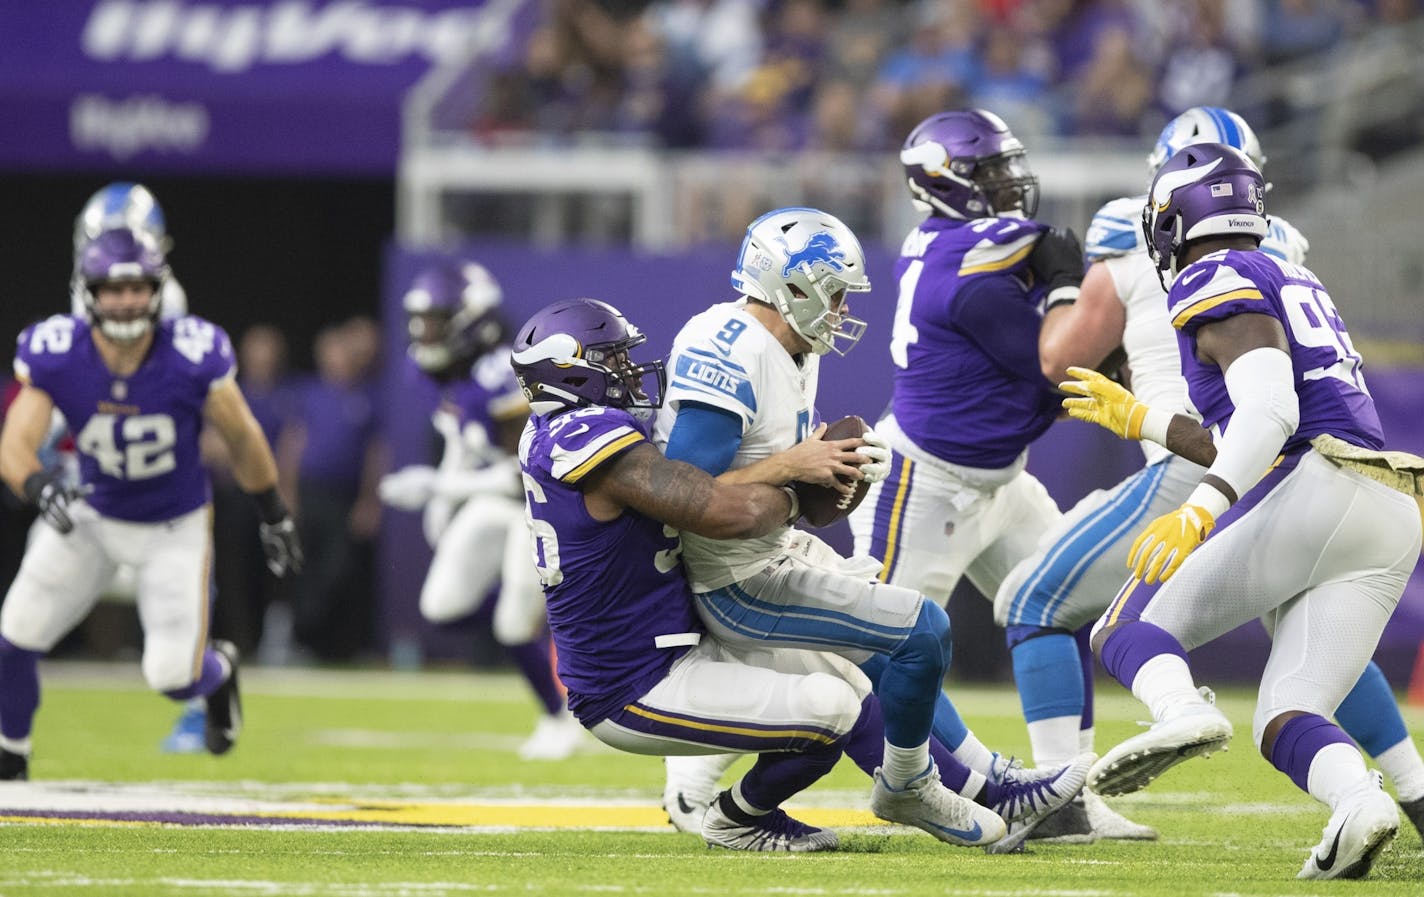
column 137, row 435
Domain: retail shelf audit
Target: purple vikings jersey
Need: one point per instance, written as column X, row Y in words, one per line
column 1328, row 375
column 967, row 384
column 137, row 436
column 488, row 395
column 613, row 587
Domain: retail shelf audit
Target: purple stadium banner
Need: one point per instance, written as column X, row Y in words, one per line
column 229, row 86
column 659, row 293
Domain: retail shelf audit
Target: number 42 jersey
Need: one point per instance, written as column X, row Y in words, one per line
column 137, row 436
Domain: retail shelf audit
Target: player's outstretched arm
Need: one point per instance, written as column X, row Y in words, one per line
column 1098, row 400
column 813, row 460
column 256, row 472
column 1083, row 333
column 26, row 425
column 685, row 497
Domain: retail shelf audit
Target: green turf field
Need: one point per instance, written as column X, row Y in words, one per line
column 404, row 785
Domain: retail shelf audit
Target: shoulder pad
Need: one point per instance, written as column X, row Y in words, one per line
column 1283, row 241
column 581, row 440
column 1116, row 229
column 1211, row 284
column 1002, row 244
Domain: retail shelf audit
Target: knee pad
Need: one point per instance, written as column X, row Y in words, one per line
column 929, row 643
column 831, row 701
column 167, row 671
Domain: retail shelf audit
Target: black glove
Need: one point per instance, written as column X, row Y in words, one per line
column 278, row 531
column 53, row 498
column 281, row 546
column 1057, row 262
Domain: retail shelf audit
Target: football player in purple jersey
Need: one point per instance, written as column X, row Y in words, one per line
column 606, row 508
column 136, row 391
column 968, row 397
column 1077, row 568
column 1300, row 516
column 473, row 503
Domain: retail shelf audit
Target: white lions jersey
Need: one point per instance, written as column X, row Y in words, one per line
column 1115, row 238
column 726, row 359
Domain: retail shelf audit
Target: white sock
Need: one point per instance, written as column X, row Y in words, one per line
column 1055, row 741
column 15, row 745
column 1336, row 770
column 973, row 785
column 1085, row 740
column 1165, row 682
column 743, row 805
column 972, row 753
column 903, row 765
column 696, row 775
column 1405, row 769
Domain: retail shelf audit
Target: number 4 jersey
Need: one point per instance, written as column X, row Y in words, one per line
column 1328, row 376
column 137, row 436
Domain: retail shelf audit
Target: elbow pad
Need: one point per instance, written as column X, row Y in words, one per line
column 1261, row 384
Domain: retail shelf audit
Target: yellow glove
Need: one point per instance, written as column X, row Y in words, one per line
column 1104, row 403
column 1167, row 541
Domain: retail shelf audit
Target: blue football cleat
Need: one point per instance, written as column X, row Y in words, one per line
column 187, row 734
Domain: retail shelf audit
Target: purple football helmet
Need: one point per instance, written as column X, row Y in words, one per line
column 574, row 353
column 1205, row 190
column 452, row 316
column 966, row 165
column 122, row 256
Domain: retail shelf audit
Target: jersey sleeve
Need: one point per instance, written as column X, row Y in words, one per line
column 1285, row 242
column 42, row 348
column 1211, row 290
column 582, row 441
column 716, row 373
column 206, row 350
column 1004, row 245
column 1116, row 229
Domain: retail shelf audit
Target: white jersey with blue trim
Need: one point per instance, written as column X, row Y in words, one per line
column 726, row 359
column 1115, row 238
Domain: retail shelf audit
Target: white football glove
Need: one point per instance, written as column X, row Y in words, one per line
column 878, row 451
column 409, row 488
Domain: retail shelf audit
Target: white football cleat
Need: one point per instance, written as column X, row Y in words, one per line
column 1363, row 824
column 774, row 832
column 555, row 737
column 1195, row 729
column 1033, row 796
column 926, row 804
column 690, row 785
column 1108, row 823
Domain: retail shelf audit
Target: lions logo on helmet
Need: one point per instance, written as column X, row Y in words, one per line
column 806, row 284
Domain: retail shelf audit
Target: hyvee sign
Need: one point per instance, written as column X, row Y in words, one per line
column 294, row 86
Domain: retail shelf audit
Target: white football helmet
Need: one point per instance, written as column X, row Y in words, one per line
column 1206, row 124
column 800, row 261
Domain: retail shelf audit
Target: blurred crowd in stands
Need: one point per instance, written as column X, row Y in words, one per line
column 848, row 75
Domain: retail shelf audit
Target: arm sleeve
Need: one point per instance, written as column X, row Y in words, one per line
column 1262, row 387
column 992, row 312
column 705, row 437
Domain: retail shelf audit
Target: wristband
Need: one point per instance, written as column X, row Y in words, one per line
column 1209, row 498
column 1154, row 425
column 795, row 512
column 269, row 505
column 1065, row 295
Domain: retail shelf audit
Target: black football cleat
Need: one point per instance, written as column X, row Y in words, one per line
column 224, row 718
column 14, row 767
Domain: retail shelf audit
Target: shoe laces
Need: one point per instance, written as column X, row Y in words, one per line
column 1003, row 768
column 1033, row 789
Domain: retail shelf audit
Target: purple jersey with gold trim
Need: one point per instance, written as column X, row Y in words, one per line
column 137, row 436
column 1329, row 379
column 488, row 394
column 612, row 587
column 968, row 387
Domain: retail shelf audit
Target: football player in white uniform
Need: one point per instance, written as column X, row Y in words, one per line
column 742, row 386
column 1070, row 579
column 473, row 504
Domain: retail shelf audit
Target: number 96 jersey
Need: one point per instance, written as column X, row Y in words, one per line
column 137, row 436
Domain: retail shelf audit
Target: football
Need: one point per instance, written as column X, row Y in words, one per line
column 821, row 505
